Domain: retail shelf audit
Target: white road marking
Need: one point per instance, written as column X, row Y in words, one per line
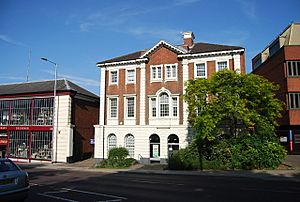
column 94, row 193
column 56, row 197
column 114, row 200
column 33, row 184
column 199, row 189
column 155, row 182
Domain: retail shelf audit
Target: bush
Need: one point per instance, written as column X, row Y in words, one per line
column 248, row 152
column 185, row 159
column 117, row 158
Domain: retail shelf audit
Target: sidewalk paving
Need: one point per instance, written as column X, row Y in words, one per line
column 290, row 171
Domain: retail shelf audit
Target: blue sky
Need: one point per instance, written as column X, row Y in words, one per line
column 77, row 34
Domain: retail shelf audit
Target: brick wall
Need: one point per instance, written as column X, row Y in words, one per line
column 164, row 56
column 85, row 114
column 275, row 70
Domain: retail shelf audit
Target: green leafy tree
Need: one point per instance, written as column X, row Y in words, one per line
column 230, row 104
column 228, row 113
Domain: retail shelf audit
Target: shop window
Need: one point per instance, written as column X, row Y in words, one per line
column 41, row 145
column 43, row 111
column 18, row 144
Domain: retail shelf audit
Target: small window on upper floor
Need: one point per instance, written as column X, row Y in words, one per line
column 293, row 68
column 294, row 100
column 200, row 70
column 130, row 106
column 222, row 65
column 156, row 73
column 171, row 71
column 113, row 107
column 113, row 77
column 130, row 76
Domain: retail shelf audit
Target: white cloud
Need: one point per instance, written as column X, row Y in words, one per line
column 172, row 35
column 16, row 78
column 76, row 79
column 9, row 40
column 117, row 17
column 81, row 80
column 248, row 8
column 232, row 37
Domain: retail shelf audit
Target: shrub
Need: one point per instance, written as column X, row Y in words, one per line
column 185, row 159
column 117, row 158
column 248, row 152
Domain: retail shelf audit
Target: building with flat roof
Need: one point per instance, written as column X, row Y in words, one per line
column 33, row 129
column 279, row 62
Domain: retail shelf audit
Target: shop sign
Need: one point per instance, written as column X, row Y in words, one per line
column 3, row 127
column 3, row 141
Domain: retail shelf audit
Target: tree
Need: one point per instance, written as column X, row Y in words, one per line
column 230, row 104
column 234, row 118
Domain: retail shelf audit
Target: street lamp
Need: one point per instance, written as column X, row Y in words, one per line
column 54, row 130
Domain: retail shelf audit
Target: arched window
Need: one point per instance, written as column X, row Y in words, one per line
column 164, row 104
column 111, row 141
column 154, row 146
column 173, row 144
column 129, row 144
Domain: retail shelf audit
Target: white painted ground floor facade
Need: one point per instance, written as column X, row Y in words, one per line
column 144, row 143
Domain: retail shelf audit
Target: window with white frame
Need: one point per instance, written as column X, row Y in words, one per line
column 129, row 144
column 111, row 142
column 171, row 71
column 153, row 107
column 293, row 68
column 222, row 65
column 200, row 70
column 164, row 104
column 156, row 74
column 130, row 107
column 175, row 106
column 113, row 77
column 113, row 103
column 130, row 76
column 294, row 100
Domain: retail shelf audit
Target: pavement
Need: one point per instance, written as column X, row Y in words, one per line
column 289, row 170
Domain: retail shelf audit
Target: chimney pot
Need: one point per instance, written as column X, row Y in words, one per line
column 188, row 39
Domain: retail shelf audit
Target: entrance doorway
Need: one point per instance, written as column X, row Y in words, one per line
column 173, row 144
column 154, row 147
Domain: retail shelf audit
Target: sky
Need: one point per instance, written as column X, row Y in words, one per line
column 77, row 34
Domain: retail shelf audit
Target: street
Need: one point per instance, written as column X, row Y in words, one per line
column 66, row 185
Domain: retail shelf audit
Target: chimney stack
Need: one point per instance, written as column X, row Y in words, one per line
column 188, row 39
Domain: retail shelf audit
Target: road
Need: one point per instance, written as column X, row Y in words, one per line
column 67, row 185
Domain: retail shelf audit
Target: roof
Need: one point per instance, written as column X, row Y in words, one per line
column 62, row 85
column 131, row 56
column 197, row 48
column 207, row 47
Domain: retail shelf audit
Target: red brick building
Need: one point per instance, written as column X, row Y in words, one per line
column 33, row 129
column 279, row 62
column 142, row 95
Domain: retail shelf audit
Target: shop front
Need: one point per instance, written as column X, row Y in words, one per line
column 30, row 143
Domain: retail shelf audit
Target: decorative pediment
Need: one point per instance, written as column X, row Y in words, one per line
column 165, row 44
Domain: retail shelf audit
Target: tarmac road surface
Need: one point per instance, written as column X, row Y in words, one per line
column 75, row 185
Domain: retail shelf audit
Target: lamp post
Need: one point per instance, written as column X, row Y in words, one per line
column 54, row 130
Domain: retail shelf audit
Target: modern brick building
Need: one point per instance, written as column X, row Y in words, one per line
column 32, row 129
column 142, row 96
column 279, row 62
